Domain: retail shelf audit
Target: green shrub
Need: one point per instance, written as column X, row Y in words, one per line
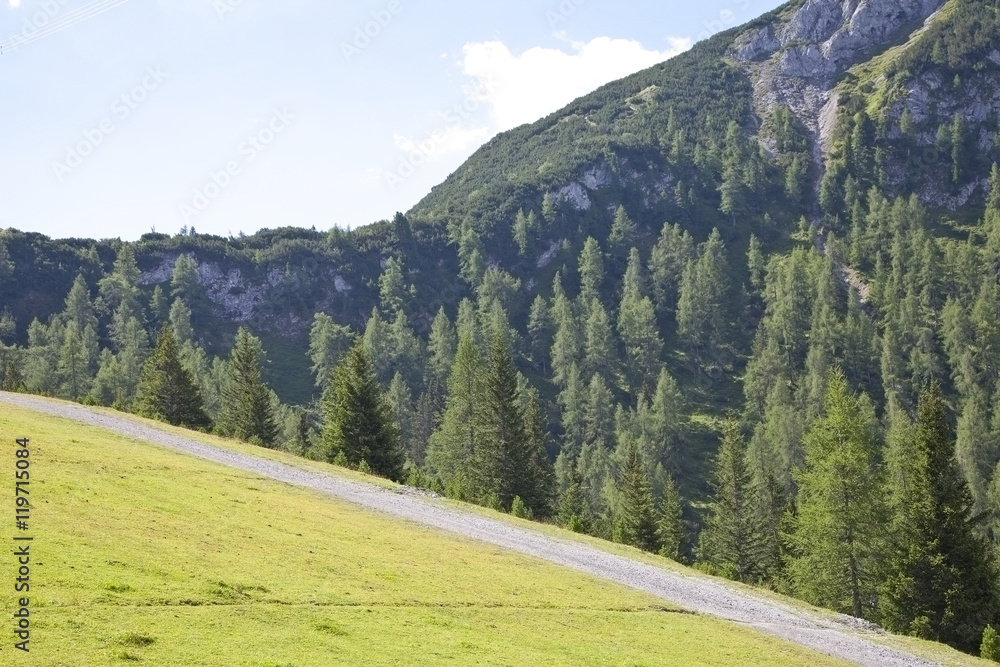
column 990, row 648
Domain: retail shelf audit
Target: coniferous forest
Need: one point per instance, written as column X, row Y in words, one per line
column 780, row 370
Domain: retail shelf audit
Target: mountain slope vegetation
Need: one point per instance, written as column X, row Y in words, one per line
column 708, row 247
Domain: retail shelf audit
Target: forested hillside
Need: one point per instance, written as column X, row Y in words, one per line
column 742, row 308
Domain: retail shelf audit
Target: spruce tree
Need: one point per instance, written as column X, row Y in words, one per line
column 540, row 332
column 166, row 390
column 591, row 270
column 441, row 347
column 637, row 523
column 666, row 265
column 735, row 538
column 328, row 342
column 942, row 575
column 567, row 343
column 643, row 346
column 539, row 487
column 246, row 401
column 574, row 512
column 359, row 423
column 451, row 447
column 501, row 465
column 670, row 524
column 599, row 349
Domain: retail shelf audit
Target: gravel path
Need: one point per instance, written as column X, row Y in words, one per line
column 844, row 640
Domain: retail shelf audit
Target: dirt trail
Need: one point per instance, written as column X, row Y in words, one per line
column 846, row 640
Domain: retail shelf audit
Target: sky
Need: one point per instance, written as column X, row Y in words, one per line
column 121, row 117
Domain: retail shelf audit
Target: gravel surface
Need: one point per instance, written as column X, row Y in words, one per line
column 843, row 639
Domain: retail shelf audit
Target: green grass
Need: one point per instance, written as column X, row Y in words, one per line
column 151, row 557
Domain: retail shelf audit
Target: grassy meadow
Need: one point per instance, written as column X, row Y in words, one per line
column 144, row 556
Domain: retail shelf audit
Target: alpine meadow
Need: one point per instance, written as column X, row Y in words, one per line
column 739, row 310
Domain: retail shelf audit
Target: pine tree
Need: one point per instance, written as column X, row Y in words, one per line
column 599, row 350
column 591, row 270
column 666, row 265
column 401, row 402
column 573, row 399
column 735, row 538
column 670, row 525
column 524, row 230
column 574, row 513
column 841, row 506
column 942, row 575
column 663, row 421
column 540, row 332
column 185, row 282
column 180, row 320
column 441, row 347
column 621, row 238
column 501, row 467
column 637, row 519
column 452, row 446
column 567, row 343
column 634, row 282
column 393, row 294
column 705, row 301
column 540, row 483
column 166, row 390
column 358, row 421
column 121, row 286
column 643, row 346
column 246, row 401
column 328, row 342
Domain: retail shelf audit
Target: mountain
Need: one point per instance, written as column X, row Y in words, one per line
column 707, row 246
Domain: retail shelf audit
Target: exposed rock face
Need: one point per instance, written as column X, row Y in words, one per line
column 796, row 62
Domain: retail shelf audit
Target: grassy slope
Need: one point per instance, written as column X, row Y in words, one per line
column 146, row 555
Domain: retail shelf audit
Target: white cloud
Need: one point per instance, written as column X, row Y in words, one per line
column 532, row 85
column 515, row 90
column 14, row 3
column 450, row 139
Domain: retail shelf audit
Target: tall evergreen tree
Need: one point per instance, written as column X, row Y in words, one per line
column 246, row 401
column 666, row 265
column 539, row 488
column 942, row 575
column 637, row 523
column 670, row 525
column 540, row 332
column 567, row 343
column 452, row 446
column 328, row 342
column 705, row 303
column 501, row 462
column 841, row 506
column 441, row 347
column 735, row 539
column 166, row 390
column 358, row 421
column 591, row 270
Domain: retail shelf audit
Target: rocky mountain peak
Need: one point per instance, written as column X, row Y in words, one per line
column 795, row 62
column 823, row 37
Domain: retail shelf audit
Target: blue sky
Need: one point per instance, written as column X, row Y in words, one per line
column 232, row 115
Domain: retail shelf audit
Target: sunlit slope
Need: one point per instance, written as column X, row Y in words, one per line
column 146, row 555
